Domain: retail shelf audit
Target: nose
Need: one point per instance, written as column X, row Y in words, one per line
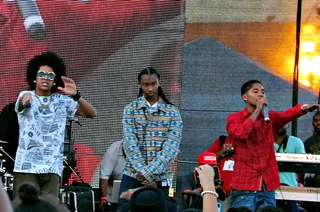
column 261, row 94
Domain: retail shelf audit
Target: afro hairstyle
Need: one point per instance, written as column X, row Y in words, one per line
column 50, row 59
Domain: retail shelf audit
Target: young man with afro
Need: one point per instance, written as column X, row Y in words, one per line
column 42, row 115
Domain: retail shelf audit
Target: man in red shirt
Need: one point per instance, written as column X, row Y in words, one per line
column 223, row 148
column 256, row 174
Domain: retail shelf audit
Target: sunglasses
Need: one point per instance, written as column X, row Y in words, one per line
column 44, row 75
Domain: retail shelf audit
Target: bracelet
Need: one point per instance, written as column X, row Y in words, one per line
column 77, row 96
column 103, row 198
column 210, row 192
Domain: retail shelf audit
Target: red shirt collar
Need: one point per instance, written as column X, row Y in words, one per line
column 245, row 112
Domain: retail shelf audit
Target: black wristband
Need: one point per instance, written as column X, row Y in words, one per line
column 77, row 96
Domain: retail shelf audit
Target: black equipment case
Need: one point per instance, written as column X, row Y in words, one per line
column 79, row 199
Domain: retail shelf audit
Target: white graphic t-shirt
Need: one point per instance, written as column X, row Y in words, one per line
column 41, row 133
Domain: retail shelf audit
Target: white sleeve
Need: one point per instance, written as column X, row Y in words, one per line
column 16, row 107
column 108, row 163
column 72, row 107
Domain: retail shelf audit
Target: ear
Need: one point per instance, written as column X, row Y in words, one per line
column 244, row 97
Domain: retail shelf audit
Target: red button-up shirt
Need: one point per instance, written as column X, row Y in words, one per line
column 255, row 160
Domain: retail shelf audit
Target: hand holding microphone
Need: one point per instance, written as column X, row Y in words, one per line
column 25, row 101
column 262, row 105
column 265, row 110
column 27, row 104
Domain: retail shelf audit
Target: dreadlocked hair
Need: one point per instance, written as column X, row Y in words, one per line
column 50, row 59
column 149, row 71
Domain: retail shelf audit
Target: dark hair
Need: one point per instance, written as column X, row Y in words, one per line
column 50, row 59
column 28, row 194
column 30, row 200
column 149, row 71
column 248, row 85
column 316, row 113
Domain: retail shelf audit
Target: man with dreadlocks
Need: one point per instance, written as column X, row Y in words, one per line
column 152, row 129
column 42, row 115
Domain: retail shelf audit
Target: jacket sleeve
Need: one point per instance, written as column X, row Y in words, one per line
column 280, row 119
column 130, row 140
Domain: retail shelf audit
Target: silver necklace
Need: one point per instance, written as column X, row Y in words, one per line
column 44, row 107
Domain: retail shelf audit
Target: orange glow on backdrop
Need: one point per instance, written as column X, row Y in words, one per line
column 308, row 46
column 309, row 71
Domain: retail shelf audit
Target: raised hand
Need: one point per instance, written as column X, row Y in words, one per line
column 206, row 176
column 69, row 86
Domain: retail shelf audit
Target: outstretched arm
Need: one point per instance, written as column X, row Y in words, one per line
column 206, row 175
column 282, row 118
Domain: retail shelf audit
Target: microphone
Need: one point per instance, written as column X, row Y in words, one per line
column 27, row 104
column 33, row 22
column 266, row 113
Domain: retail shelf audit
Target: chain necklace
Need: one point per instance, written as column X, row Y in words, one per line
column 44, row 107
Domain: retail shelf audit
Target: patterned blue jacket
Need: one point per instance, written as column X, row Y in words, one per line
column 151, row 140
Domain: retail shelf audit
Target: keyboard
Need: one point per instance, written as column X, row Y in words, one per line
column 298, row 193
column 299, row 163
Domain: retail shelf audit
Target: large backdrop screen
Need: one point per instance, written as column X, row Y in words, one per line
column 104, row 44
